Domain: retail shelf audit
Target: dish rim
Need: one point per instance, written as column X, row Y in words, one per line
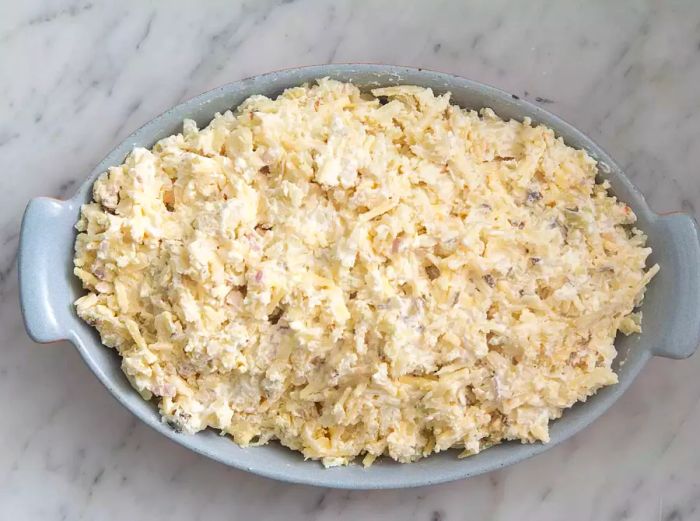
column 400, row 477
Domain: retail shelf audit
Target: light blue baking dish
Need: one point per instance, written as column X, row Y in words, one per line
column 48, row 287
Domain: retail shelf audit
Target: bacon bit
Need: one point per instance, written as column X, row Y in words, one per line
column 275, row 316
column 258, row 276
column 316, row 104
column 252, row 241
column 396, row 245
column 235, row 297
column 577, row 358
column 169, row 200
column 432, row 271
column 627, row 210
column 186, row 369
column 265, row 170
column 165, row 389
column 268, row 157
column 250, row 115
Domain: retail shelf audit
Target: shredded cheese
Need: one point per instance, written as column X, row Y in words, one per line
column 361, row 274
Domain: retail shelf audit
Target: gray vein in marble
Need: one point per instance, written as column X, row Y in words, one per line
column 131, row 109
column 9, row 266
column 69, row 12
column 146, row 31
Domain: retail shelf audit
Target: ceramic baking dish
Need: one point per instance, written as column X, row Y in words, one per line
column 48, row 287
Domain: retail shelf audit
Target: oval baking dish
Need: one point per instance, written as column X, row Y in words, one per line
column 48, row 287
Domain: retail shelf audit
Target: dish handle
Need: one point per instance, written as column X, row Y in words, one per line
column 678, row 247
column 46, row 237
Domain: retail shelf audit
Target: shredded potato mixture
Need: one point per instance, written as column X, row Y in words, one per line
column 361, row 274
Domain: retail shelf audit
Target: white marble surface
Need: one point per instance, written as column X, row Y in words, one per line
column 77, row 77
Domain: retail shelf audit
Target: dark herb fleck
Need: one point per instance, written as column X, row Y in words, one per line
column 174, row 425
column 535, row 260
column 533, row 196
column 488, row 278
column 177, row 422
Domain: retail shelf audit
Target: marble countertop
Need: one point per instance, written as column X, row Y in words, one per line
column 77, row 77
